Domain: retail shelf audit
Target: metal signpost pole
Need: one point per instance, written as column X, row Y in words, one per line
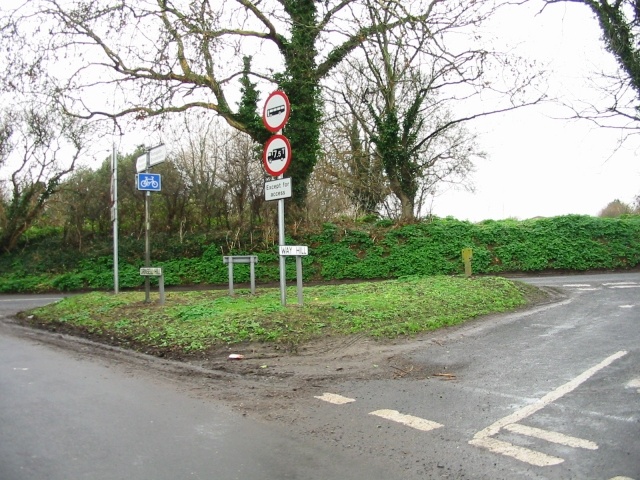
column 149, row 182
column 281, row 241
column 114, row 186
column 147, row 246
column 299, row 278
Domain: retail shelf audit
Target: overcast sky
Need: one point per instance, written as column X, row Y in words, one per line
column 538, row 165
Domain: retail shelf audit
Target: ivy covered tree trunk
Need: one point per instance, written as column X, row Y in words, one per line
column 397, row 159
column 302, row 85
column 618, row 20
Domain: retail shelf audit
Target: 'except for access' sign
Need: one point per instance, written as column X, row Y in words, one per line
column 277, row 189
column 294, row 250
column 151, row 271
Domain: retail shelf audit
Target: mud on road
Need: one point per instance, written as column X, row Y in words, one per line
column 268, row 383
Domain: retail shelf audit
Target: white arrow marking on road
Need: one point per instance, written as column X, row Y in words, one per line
column 408, row 420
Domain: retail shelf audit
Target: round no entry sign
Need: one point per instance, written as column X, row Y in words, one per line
column 276, row 111
column 276, row 155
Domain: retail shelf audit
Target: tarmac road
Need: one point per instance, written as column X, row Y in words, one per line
column 66, row 416
column 550, row 393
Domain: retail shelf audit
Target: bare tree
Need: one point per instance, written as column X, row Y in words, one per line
column 82, row 201
column 151, row 58
column 615, row 209
column 38, row 147
column 243, row 175
column 412, row 100
column 351, row 165
column 198, row 154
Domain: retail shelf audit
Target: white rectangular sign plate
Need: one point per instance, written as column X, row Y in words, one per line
column 296, row 250
column 141, row 163
column 151, row 271
column 156, row 155
column 277, row 189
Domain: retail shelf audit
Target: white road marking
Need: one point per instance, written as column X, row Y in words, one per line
column 625, row 286
column 621, row 478
column 635, row 383
column 627, row 306
column 553, row 437
column 575, row 285
column 482, row 438
column 557, row 329
column 409, row 420
column 334, row 398
column 587, row 289
column 608, row 284
column 526, row 455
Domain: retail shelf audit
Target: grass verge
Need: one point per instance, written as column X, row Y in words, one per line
column 192, row 322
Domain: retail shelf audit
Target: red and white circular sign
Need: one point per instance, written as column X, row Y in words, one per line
column 276, row 155
column 276, row 111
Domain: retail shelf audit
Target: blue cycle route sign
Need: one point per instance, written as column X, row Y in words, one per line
column 150, row 182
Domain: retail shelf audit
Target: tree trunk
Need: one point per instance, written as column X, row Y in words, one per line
column 406, row 202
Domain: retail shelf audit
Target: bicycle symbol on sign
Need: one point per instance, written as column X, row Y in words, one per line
column 147, row 182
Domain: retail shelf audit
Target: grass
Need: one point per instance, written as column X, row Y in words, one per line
column 198, row 321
